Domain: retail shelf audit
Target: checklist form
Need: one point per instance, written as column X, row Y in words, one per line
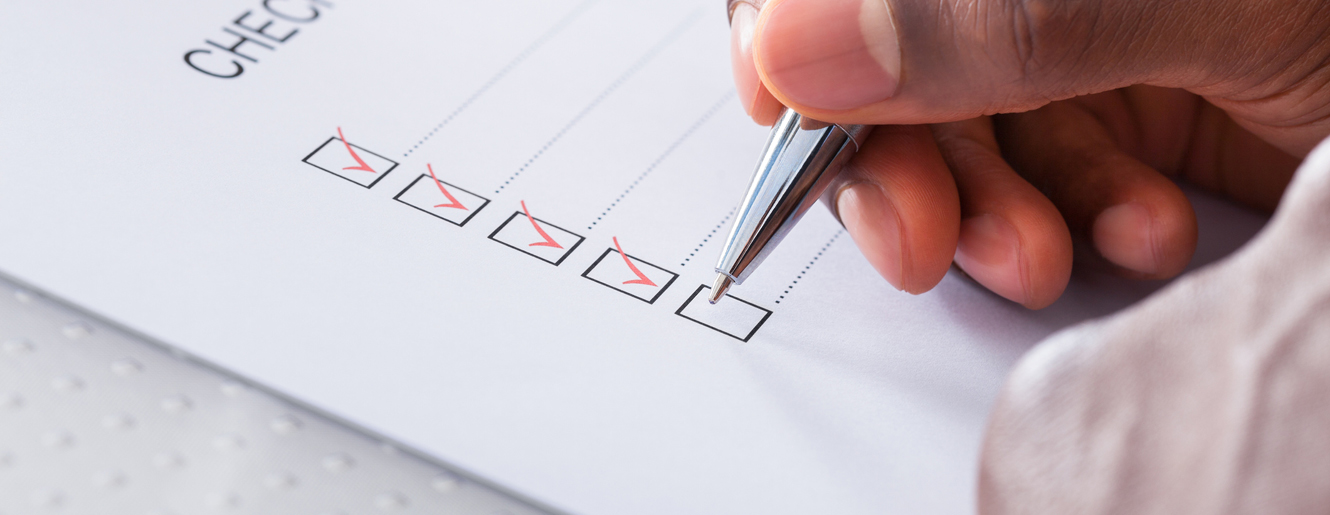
column 486, row 230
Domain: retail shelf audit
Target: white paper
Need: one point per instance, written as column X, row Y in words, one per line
column 227, row 217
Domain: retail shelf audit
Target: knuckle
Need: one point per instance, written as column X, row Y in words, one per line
column 1051, row 39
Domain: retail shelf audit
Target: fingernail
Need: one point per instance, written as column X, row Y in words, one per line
column 873, row 223
column 990, row 252
column 1124, row 234
column 742, row 23
column 831, row 54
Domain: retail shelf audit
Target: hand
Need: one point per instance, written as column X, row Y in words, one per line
column 1108, row 99
column 1207, row 398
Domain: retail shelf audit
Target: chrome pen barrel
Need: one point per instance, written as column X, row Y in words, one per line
column 802, row 157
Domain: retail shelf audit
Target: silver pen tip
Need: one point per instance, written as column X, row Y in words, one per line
column 719, row 288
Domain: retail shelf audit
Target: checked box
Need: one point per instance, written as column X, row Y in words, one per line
column 535, row 237
column 732, row 316
column 349, row 161
column 629, row 275
column 442, row 200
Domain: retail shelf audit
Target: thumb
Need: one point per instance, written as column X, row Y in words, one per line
column 927, row 61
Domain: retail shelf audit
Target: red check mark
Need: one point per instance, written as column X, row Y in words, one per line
column 641, row 277
column 363, row 166
column 549, row 242
column 455, row 204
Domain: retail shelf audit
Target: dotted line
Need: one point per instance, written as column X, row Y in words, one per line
column 705, row 116
column 632, row 70
column 810, row 264
column 708, row 238
column 526, row 52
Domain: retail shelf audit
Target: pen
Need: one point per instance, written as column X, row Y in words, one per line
column 802, row 157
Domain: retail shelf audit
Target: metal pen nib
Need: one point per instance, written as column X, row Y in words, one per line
column 801, row 159
column 719, row 288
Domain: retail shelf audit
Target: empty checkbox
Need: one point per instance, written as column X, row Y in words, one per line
column 732, row 316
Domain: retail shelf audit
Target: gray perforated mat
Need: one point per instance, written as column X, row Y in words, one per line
column 95, row 419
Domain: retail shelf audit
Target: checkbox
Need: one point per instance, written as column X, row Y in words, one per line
column 732, row 316
column 442, row 200
column 631, row 276
column 535, row 237
column 350, row 162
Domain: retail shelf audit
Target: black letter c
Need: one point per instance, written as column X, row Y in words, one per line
column 189, row 59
